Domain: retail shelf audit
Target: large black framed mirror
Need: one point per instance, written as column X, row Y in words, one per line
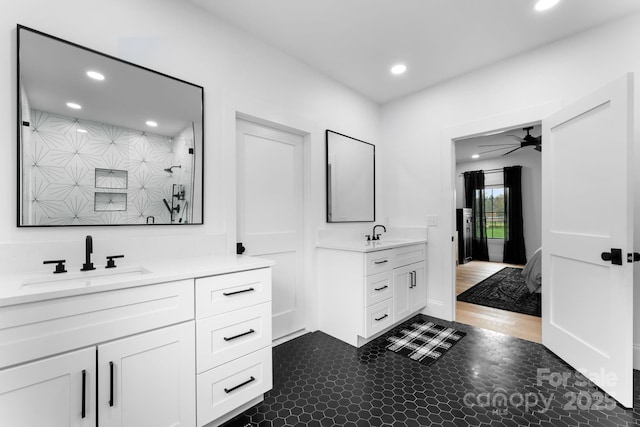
column 102, row 141
column 351, row 189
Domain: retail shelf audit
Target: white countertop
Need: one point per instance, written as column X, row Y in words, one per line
column 25, row 288
column 369, row 246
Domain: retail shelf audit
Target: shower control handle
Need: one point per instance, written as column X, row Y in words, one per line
column 110, row 261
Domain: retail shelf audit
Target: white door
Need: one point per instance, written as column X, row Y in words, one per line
column 58, row 392
column 587, row 302
column 270, row 217
column 148, row 380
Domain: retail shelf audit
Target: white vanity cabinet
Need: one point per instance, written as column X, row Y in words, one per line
column 191, row 350
column 409, row 293
column 144, row 380
column 233, row 355
column 57, row 391
column 149, row 377
column 364, row 293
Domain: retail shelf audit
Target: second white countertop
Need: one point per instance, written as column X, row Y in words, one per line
column 369, row 246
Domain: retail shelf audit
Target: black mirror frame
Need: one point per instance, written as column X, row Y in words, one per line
column 328, row 180
column 19, row 126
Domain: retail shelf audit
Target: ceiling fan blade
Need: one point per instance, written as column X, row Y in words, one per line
column 509, row 152
column 495, row 149
column 516, row 137
column 498, row 145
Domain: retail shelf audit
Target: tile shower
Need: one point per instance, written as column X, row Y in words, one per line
column 84, row 172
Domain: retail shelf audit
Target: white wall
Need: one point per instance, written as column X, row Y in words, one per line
column 417, row 159
column 178, row 39
column 530, row 160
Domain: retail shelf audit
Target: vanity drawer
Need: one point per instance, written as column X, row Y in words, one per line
column 406, row 255
column 229, row 386
column 378, row 317
column 228, row 336
column 378, row 262
column 228, row 292
column 43, row 328
column 378, row 288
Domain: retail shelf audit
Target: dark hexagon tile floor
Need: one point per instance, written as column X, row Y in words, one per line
column 487, row 379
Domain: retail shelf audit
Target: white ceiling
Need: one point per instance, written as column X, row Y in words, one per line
column 357, row 41
column 52, row 73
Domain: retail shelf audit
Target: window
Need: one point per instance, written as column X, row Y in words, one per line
column 494, row 212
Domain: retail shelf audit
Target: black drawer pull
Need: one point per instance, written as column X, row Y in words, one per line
column 250, row 331
column 379, row 289
column 229, row 390
column 84, row 391
column 381, row 262
column 226, row 294
column 380, row 318
column 110, row 383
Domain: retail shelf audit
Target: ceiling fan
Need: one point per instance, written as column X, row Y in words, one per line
column 527, row 141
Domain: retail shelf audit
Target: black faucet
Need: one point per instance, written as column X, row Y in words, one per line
column 377, row 236
column 88, row 246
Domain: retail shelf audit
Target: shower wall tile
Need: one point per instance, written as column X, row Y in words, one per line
column 60, row 162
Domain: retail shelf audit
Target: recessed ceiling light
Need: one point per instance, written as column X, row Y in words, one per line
column 398, row 69
column 545, row 4
column 81, row 130
column 475, row 156
column 151, row 123
column 95, row 75
column 74, row 105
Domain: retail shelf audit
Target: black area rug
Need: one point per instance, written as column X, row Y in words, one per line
column 505, row 290
column 425, row 342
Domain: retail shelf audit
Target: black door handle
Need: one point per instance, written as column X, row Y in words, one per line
column 633, row 257
column 615, row 256
column 240, row 248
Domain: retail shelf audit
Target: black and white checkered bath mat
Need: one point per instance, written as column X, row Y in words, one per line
column 425, row 341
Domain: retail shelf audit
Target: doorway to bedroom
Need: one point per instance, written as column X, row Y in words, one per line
column 498, row 229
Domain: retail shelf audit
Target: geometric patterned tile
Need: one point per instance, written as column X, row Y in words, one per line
column 487, row 379
column 62, row 155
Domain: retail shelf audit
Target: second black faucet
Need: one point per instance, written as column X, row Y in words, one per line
column 375, row 236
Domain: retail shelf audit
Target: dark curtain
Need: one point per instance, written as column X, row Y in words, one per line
column 474, row 199
column 514, row 251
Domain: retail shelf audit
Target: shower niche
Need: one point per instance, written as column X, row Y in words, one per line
column 128, row 150
column 111, row 178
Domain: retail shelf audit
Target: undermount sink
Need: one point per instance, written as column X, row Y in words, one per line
column 387, row 242
column 87, row 278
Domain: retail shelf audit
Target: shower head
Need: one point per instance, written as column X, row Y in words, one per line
column 170, row 170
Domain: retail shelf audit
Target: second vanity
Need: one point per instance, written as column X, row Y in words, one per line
column 165, row 345
column 366, row 288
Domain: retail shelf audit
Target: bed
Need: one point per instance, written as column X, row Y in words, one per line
column 532, row 272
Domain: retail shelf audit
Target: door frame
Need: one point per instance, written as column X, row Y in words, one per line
column 235, row 106
column 446, row 309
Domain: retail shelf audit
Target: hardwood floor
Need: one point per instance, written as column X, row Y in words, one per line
column 507, row 322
